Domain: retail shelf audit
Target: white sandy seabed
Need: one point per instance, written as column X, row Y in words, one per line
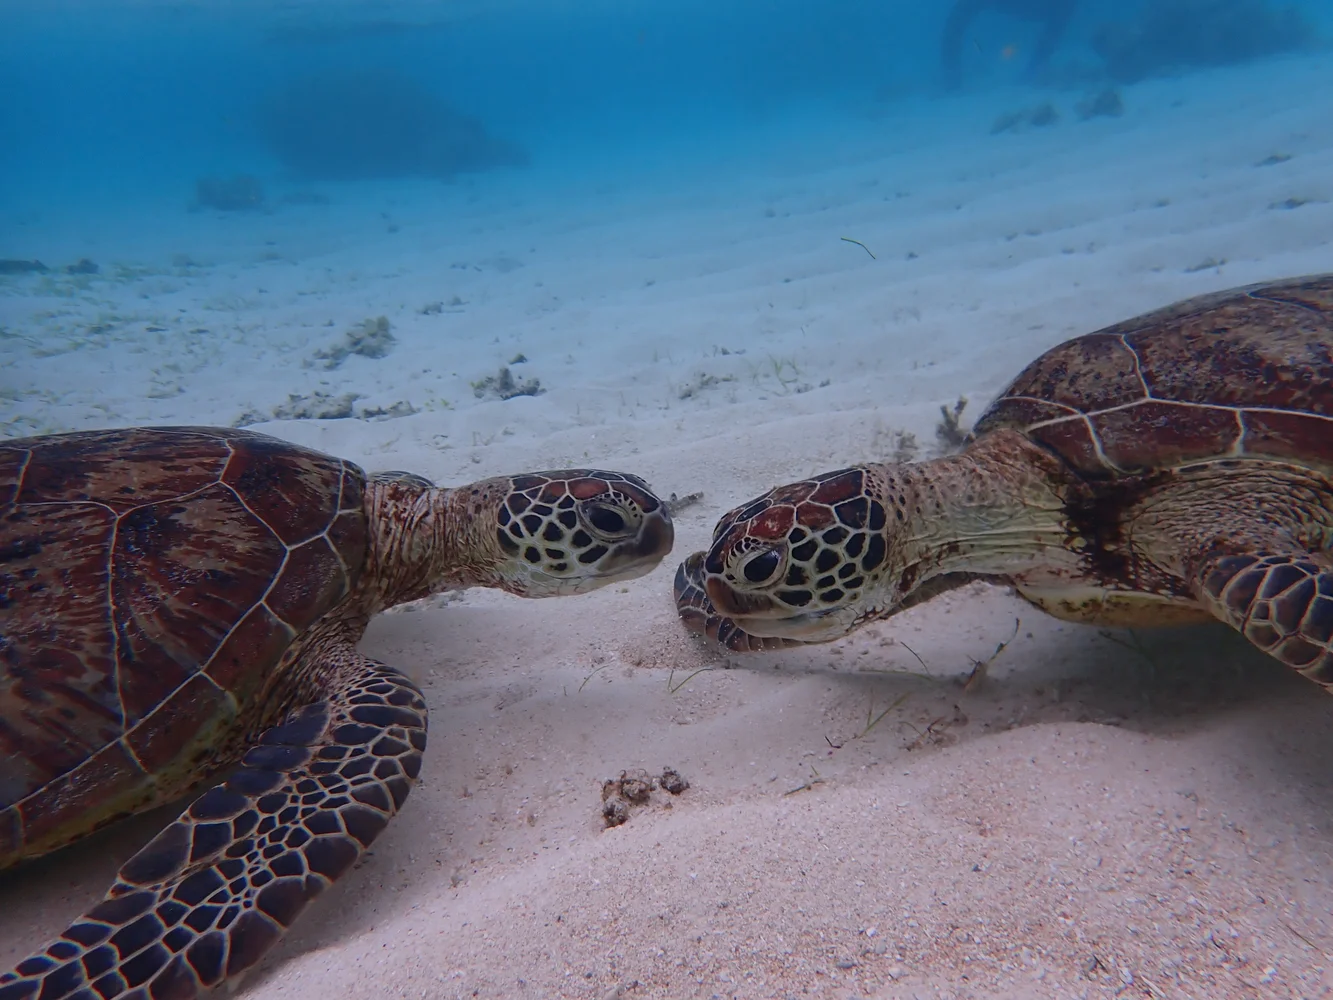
column 1106, row 815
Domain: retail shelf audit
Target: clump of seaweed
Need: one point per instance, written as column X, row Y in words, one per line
column 1171, row 36
column 949, row 431
column 238, row 193
column 1107, row 104
column 402, row 408
column 503, row 385
column 1287, row 204
column 1042, row 116
column 905, row 447
column 320, row 405
column 700, row 382
column 372, row 338
column 454, row 305
column 316, row 406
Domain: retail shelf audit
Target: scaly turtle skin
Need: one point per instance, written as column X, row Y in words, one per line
column 180, row 602
column 1173, row 468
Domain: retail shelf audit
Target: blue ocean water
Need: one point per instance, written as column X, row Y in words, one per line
column 152, row 135
column 723, row 244
column 108, row 104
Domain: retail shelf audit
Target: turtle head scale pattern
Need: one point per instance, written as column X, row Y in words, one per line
column 568, row 531
column 537, row 534
column 801, row 563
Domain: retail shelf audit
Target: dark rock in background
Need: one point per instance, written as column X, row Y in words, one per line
column 22, row 267
column 1106, row 104
column 359, row 125
column 1170, row 36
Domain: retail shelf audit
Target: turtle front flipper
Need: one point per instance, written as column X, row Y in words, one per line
column 1283, row 603
column 213, row 892
column 697, row 613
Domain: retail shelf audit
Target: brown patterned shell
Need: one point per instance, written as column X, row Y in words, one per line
column 1247, row 371
column 150, row 579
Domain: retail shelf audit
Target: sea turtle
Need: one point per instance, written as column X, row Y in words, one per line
column 185, row 602
column 1174, row 468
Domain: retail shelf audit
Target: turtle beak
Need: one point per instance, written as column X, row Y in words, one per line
column 762, row 616
column 818, row 626
column 732, row 604
column 642, row 554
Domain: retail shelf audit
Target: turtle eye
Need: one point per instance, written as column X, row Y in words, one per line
column 762, row 567
column 607, row 520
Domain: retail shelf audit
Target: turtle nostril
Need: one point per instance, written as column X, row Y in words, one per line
column 762, row 567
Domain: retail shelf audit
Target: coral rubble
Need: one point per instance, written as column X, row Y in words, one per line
column 372, row 338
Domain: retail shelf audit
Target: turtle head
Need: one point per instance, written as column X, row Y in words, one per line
column 804, row 562
column 572, row 531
